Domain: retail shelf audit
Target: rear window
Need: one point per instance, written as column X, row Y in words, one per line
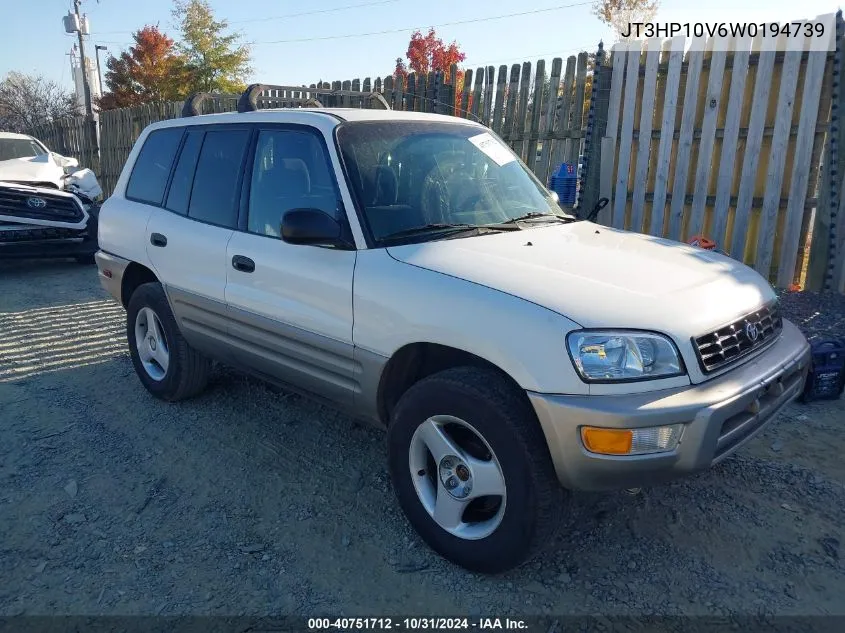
column 152, row 168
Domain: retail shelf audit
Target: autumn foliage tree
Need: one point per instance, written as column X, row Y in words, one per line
column 150, row 70
column 428, row 53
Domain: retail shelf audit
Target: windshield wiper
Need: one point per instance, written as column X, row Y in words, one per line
column 438, row 227
column 442, row 228
column 537, row 215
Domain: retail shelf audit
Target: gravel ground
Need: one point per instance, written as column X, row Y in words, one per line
column 250, row 500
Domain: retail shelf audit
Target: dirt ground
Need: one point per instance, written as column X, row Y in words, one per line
column 250, row 500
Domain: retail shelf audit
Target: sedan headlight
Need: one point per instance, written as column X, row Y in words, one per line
column 610, row 356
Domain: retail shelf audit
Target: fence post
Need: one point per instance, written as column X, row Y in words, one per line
column 835, row 183
column 822, row 251
column 587, row 183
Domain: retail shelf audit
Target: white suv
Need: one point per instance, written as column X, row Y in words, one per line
column 410, row 269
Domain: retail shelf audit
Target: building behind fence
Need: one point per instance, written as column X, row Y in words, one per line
column 725, row 140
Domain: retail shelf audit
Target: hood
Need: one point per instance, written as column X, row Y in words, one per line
column 602, row 277
column 35, row 169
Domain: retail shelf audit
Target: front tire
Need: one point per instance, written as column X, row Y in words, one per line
column 168, row 367
column 472, row 471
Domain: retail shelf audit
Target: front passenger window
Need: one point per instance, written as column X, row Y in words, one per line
column 290, row 171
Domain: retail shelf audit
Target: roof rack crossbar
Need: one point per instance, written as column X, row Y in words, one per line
column 257, row 94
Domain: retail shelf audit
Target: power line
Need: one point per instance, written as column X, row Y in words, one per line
column 285, row 16
column 315, row 12
column 412, row 28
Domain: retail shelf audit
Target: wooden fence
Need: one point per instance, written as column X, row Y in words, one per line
column 723, row 141
column 541, row 118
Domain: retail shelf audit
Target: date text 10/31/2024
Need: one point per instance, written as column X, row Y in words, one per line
column 417, row 624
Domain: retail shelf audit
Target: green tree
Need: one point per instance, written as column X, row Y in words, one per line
column 215, row 60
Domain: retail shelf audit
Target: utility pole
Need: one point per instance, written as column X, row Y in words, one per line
column 74, row 22
column 89, row 108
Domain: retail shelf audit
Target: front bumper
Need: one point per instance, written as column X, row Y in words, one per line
column 719, row 416
column 110, row 269
column 81, row 246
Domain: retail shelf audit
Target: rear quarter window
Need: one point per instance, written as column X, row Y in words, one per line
column 152, row 167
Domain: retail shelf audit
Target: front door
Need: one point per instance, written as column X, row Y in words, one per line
column 290, row 306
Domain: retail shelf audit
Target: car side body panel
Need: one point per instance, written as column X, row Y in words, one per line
column 397, row 304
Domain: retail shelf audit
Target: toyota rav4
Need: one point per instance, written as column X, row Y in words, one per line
column 410, row 269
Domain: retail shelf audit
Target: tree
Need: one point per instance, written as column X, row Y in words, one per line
column 151, row 70
column 30, row 100
column 429, row 53
column 618, row 14
column 401, row 70
column 215, row 61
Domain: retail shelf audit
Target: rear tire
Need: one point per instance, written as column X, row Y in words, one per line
column 486, row 533
column 168, row 367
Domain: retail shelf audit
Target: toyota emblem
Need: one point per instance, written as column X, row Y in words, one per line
column 751, row 331
column 36, row 203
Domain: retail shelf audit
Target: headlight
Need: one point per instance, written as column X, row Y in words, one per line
column 610, row 356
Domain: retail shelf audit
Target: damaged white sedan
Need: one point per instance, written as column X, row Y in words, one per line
column 48, row 206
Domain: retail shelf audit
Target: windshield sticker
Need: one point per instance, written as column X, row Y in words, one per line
column 493, row 148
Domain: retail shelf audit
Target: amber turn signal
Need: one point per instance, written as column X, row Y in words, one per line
column 607, row 441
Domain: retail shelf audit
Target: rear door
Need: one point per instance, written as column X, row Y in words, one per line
column 187, row 237
column 290, row 306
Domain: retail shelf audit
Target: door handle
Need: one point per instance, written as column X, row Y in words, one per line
column 157, row 239
column 243, row 264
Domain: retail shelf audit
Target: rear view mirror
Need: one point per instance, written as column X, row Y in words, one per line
column 312, row 227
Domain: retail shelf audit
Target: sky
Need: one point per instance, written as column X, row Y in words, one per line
column 35, row 42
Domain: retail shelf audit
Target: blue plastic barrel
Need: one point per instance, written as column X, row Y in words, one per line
column 564, row 183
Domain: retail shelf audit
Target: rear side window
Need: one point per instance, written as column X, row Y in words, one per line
column 215, row 193
column 152, row 168
column 183, row 175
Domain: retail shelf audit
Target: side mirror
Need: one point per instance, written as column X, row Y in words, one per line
column 312, row 227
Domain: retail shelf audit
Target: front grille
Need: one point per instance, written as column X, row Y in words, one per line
column 37, row 234
column 731, row 342
column 56, row 206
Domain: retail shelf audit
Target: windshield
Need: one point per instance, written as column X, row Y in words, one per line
column 11, row 148
column 409, row 174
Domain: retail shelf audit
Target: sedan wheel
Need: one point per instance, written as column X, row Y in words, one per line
column 457, row 477
column 167, row 366
column 471, row 469
column 151, row 344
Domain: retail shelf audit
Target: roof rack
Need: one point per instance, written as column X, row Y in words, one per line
column 263, row 96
